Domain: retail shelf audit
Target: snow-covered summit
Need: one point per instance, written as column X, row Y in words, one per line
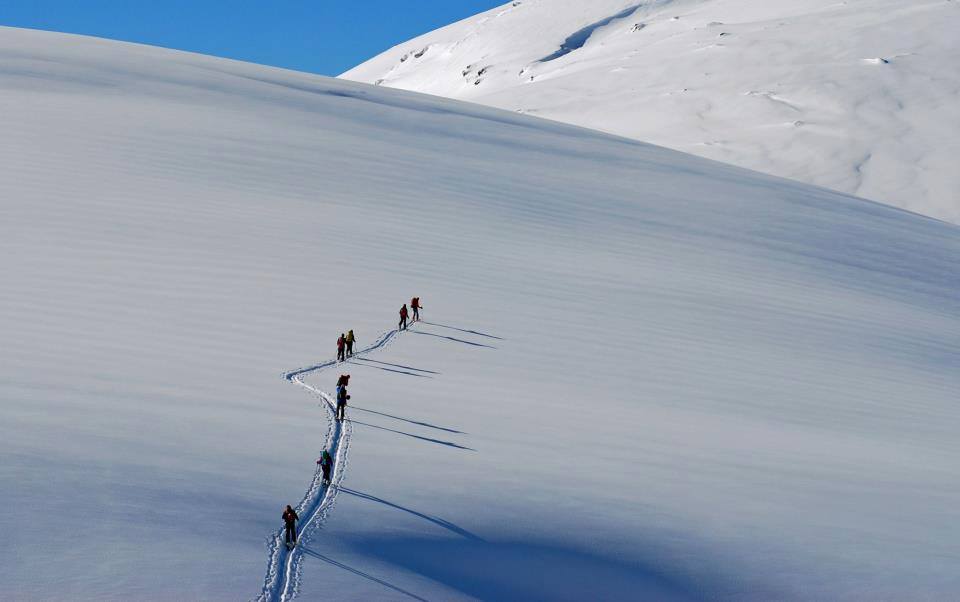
column 861, row 96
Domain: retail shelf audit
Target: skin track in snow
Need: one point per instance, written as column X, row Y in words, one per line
column 284, row 568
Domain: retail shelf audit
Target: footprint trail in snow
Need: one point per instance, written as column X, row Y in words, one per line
column 284, row 570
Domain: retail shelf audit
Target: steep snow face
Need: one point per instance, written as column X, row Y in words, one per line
column 642, row 374
column 861, row 96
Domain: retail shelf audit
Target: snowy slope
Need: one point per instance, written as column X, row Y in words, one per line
column 859, row 96
column 645, row 374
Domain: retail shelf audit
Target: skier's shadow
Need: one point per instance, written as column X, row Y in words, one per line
column 407, row 420
column 359, row 573
column 478, row 333
column 429, row 439
column 394, row 370
column 443, row 336
column 437, row 521
column 366, row 359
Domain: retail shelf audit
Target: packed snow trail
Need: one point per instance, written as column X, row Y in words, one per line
column 283, row 572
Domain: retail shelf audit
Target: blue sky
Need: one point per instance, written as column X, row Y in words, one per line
column 322, row 36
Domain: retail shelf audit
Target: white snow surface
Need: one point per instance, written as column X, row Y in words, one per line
column 861, row 96
column 645, row 375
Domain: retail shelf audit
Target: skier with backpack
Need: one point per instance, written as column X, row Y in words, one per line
column 343, row 381
column 326, row 465
column 350, row 340
column 341, row 346
column 403, row 318
column 290, row 519
column 415, row 306
column 342, row 398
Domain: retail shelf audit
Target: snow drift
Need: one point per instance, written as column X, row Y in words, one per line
column 859, row 96
column 640, row 373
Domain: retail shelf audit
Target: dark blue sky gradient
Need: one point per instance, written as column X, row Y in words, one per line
column 321, row 36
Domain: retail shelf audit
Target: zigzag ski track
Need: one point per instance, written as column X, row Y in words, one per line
column 282, row 581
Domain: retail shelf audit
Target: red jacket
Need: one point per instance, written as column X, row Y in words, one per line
column 340, row 343
column 403, row 311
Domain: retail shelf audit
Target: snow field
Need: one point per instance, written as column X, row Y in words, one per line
column 641, row 373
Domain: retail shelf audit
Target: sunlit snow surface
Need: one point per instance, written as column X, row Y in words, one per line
column 861, row 96
column 646, row 374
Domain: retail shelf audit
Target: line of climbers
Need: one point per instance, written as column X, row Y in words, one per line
column 325, row 462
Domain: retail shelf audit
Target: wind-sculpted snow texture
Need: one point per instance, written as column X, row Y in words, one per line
column 640, row 374
column 859, row 96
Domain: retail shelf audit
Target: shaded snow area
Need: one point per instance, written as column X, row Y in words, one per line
column 861, row 96
column 640, row 374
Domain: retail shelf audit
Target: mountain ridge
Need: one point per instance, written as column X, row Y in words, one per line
column 855, row 96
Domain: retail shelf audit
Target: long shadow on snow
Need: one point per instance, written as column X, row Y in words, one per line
column 440, row 336
column 367, row 576
column 395, row 371
column 426, row 424
column 437, row 521
column 525, row 571
column 577, row 39
column 440, row 441
column 364, row 359
column 463, row 330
